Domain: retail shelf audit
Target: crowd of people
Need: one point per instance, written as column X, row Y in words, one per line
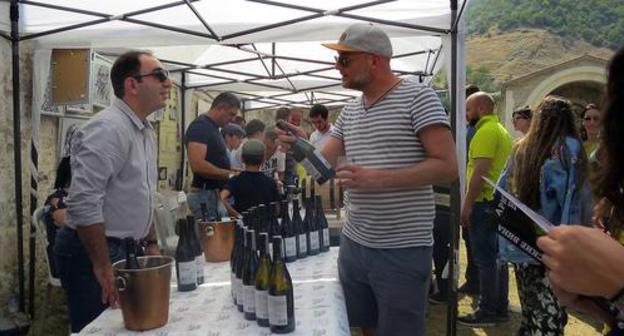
column 388, row 147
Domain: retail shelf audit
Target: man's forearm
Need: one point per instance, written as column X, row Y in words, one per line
column 93, row 238
column 208, row 170
column 474, row 187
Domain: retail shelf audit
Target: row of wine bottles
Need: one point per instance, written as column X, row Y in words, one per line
column 302, row 237
column 189, row 256
column 262, row 289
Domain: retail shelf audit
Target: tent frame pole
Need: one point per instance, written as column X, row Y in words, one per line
column 455, row 197
column 17, row 152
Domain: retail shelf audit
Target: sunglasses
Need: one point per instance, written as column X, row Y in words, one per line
column 343, row 60
column 520, row 117
column 160, row 74
column 591, row 118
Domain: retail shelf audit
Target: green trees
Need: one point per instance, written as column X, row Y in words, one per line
column 599, row 22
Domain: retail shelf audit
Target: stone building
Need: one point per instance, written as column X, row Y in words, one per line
column 581, row 79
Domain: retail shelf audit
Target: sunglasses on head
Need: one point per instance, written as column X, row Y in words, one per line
column 160, row 74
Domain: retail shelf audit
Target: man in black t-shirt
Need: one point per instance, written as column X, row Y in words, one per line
column 251, row 187
column 208, row 156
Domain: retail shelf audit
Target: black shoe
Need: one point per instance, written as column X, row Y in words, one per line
column 479, row 319
column 468, row 289
column 438, row 298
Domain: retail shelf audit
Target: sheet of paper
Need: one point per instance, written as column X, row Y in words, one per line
column 542, row 222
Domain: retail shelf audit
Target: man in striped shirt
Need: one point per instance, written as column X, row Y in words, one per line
column 397, row 143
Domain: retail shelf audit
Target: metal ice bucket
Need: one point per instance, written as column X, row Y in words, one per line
column 144, row 292
column 217, row 239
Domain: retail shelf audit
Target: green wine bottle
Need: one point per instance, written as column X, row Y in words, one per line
column 262, row 281
column 281, row 299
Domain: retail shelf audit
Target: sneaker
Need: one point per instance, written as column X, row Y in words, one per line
column 479, row 319
column 468, row 289
column 438, row 298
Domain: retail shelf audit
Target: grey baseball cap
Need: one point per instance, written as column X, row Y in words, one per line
column 253, row 147
column 363, row 37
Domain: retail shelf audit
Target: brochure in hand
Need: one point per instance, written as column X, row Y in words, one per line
column 522, row 226
column 518, row 223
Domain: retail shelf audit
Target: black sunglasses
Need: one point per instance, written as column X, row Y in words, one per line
column 343, row 60
column 160, row 74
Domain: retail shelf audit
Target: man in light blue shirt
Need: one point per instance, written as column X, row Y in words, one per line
column 113, row 185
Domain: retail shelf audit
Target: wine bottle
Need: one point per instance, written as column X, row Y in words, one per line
column 131, row 258
column 249, row 279
column 240, row 302
column 321, row 223
column 199, row 252
column 275, row 225
column 312, row 190
column 234, row 257
column 288, row 235
column 310, row 157
column 281, row 299
column 262, row 282
column 304, row 191
column 310, row 223
column 204, row 211
column 332, row 196
column 185, row 259
column 261, row 219
column 297, row 222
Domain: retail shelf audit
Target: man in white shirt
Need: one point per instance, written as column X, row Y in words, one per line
column 318, row 115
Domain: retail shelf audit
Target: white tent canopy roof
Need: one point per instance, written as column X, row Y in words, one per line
column 201, row 36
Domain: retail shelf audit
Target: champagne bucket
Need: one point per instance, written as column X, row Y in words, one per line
column 144, row 292
column 217, row 239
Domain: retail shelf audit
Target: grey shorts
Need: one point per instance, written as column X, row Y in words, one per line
column 385, row 288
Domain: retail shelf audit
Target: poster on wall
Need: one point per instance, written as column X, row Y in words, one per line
column 101, row 87
column 67, row 128
column 42, row 84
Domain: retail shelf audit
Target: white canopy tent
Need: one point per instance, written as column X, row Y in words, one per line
column 267, row 51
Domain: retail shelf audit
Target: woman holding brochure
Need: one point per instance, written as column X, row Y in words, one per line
column 547, row 172
column 590, row 262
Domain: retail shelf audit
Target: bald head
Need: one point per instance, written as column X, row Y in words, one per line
column 478, row 105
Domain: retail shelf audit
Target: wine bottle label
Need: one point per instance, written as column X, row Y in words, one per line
column 187, row 274
column 249, row 305
column 291, row 246
column 303, row 243
column 314, row 240
column 239, row 292
column 262, row 304
column 310, row 169
column 233, row 285
column 199, row 265
column 325, row 237
column 278, row 310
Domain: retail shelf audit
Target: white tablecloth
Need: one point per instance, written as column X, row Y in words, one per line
column 209, row 311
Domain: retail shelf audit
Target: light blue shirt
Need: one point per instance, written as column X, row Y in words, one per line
column 113, row 166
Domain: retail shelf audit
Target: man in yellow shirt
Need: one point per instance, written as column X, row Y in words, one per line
column 489, row 149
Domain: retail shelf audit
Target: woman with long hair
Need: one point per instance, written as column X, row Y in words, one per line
column 590, row 261
column 548, row 172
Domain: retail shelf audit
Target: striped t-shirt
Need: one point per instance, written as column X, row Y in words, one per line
column 385, row 136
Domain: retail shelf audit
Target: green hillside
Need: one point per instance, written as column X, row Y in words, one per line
column 599, row 22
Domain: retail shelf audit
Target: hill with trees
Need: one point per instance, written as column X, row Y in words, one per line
column 599, row 22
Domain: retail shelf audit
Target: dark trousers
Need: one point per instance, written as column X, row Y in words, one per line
column 441, row 239
column 493, row 277
column 84, row 293
column 385, row 288
column 472, row 273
